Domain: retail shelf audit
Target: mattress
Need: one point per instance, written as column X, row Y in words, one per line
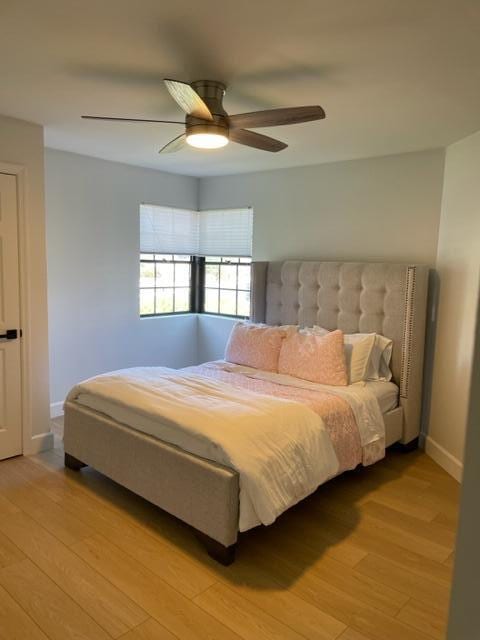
column 386, row 394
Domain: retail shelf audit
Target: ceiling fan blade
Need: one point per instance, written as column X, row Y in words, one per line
column 130, row 119
column 275, row 117
column 257, row 140
column 188, row 99
column 174, row 145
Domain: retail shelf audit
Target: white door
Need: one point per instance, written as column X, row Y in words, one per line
column 10, row 363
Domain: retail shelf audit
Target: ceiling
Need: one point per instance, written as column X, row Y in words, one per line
column 392, row 75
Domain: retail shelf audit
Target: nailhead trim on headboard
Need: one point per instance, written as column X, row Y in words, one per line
column 407, row 332
column 385, row 298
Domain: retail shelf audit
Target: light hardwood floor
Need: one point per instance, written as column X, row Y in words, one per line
column 367, row 557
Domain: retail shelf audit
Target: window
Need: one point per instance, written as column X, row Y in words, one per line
column 165, row 284
column 227, row 286
column 195, row 261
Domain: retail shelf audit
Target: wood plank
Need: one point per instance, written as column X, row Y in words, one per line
column 449, row 520
column 376, row 626
column 256, row 585
column 51, row 460
column 401, row 492
column 169, row 607
column 419, row 587
column 351, row 634
column 360, row 570
column 110, row 608
column 360, row 617
column 316, row 541
column 404, row 502
column 9, row 552
column 431, row 531
column 345, row 579
column 391, row 530
column 53, row 611
column 441, row 482
column 6, row 507
column 308, row 586
column 369, row 536
column 440, row 500
column 15, row 624
column 180, row 571
column 425, row 617
column 149, row 630
column 247, row 620
column 25, row 495
column 110, row 495
column 450, row 561
column 369, row 540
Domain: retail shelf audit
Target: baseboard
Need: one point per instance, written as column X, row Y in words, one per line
column 39, row 443
column 452, row 465
column 56, row 409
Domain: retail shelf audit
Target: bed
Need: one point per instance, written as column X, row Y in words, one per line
column 388, row 299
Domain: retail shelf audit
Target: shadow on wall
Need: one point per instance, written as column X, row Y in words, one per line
column 430, row 340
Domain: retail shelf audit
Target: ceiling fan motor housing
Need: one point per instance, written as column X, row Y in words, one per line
column 212, row 93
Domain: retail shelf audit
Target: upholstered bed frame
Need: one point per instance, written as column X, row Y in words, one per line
column 389, row 299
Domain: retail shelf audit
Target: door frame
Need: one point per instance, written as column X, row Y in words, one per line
column 20, row 173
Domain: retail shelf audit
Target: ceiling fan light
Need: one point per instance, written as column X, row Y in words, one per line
column 207, row 140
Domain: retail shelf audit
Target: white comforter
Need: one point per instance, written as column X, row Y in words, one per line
column 279, row 447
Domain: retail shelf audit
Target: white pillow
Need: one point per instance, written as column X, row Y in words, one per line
column 358, row 354
column 316, row 330
column 368, row 355
column 380, row 359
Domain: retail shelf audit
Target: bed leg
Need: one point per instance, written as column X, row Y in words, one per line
column 408, row 447
column 216, row 550
column 72, row 463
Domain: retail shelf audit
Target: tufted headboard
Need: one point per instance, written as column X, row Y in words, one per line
column 389, row 299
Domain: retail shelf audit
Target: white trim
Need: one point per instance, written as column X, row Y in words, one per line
column 452, row 465
column 39, row 443
column 56, row 409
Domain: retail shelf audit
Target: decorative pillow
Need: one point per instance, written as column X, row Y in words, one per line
column 368, row 356
column 315, row 358
column 254, row 345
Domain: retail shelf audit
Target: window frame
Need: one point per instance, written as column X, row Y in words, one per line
column 192, row 302
column 197, row 285
column 204, row 264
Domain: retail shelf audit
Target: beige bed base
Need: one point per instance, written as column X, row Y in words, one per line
column 200, row 492
column 205, row 494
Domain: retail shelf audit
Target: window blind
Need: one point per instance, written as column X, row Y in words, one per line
column 226, row 232
column 215, row 232
column 168, row 230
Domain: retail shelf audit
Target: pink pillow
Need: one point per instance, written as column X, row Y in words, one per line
column 315, row 358
column 255, row 346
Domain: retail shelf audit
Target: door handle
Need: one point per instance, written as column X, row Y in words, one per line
column 11, row 334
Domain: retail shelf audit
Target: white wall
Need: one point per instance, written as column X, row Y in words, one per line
column 464, row 621
column 373, row 209
column 213, row 332
column 458, row 265
column 21, row 143
column 378, row 208
column 93, row 254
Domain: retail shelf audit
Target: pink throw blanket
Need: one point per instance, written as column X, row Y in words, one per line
column 334, row 411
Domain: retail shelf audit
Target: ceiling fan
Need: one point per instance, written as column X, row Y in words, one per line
column 208, row 125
